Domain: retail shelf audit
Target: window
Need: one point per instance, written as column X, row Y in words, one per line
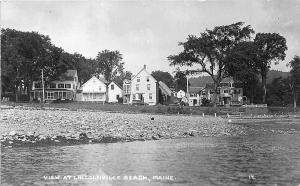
column 226, row 91
column 148, row 86
column 133, row 97
column 67, row 85
column 137, row 87
column 94, row 96
column 52, row 85
column 211, row 91
column 112, row 87
column 99, row 88
column 150, row 95
column 73, row 86
column 138, row 79
column 61, row 86
column 148, row 79
column 50, row 95
column 64, row 95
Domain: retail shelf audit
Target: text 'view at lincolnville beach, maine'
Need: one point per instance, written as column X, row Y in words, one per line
column 196, row 92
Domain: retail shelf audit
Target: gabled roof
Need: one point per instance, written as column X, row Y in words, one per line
column 94, row 77
column 143, row 69
column 69, row 75
column 204, row 80
column 164, row 88
column 116, row 84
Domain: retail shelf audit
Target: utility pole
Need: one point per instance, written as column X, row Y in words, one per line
column 43, row 86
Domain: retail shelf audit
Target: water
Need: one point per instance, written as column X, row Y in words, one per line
column 254, row 159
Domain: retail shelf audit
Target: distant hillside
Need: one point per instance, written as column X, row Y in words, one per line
column 272, row 74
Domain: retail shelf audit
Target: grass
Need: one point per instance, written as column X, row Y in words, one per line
column 159, row 109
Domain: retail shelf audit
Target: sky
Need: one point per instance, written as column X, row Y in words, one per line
column 146, row 32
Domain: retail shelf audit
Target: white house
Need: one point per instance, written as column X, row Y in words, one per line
column 114, row 92
column 94, row 90
column 143, row 88
column 180, row 94
column 63, row 87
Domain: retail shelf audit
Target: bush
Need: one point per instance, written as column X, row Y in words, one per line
column 205, row 102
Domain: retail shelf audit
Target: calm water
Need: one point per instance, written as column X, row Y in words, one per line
column 272, row 159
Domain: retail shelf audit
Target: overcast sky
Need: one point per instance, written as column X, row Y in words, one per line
column 149, row 31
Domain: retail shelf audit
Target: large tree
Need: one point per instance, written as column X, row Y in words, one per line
column 24, row 55
column 242, row 64
column 109, row 64
column 207, row 53
column 294, row 79
column 271, row 48
column 180, row 81
column 165, row 77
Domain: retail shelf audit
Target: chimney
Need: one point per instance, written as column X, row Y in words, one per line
column 144, row 66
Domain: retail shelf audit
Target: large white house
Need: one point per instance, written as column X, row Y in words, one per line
column 63, row 87
column 143, row 88
column 114, row 92
column 93, row 90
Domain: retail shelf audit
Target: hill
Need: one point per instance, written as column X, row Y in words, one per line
column 272, row 74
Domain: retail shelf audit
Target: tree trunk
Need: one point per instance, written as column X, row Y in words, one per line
column 264, row 84
column 215, row 95
column 295, row 101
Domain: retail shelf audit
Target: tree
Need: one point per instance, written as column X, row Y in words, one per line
column 271, row 47
column 24, row 55
column 294, row 79
column 242, row 65
column 180, row 81
column 210, row 50
column 165, row 77
column 109, row 63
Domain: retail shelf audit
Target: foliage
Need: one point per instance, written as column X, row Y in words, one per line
column 109, row 63
column 294, row 79
column 210, row 50
column 205, row 102
column 23, row 56
column 180, row 81
column 165, row 77
column 271, row 47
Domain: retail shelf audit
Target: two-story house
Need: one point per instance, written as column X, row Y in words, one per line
column 228, row 93
column 142, row 88
column 114, row 92
column 62, row 88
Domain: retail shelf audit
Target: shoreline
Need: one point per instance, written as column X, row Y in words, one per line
column 29, row 126
column 32, row 127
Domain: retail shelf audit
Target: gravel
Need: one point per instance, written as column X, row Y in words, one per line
column 33, row 127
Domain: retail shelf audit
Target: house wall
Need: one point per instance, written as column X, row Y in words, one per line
column 94, row 97
column 149, row 96
column 113, row 93
column 93, row 90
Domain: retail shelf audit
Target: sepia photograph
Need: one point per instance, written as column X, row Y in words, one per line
column 150, row 92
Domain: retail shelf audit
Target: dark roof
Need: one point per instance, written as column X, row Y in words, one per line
column 195, row 89
column 164, row 88
column 203, row 80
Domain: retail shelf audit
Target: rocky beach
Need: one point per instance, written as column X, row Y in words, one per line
column 21, row 126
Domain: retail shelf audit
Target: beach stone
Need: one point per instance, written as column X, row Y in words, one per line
column 12, row 133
